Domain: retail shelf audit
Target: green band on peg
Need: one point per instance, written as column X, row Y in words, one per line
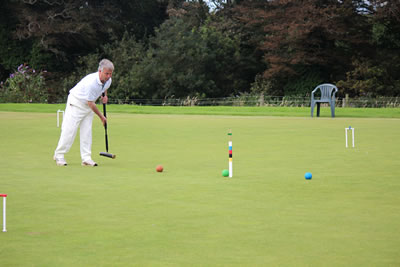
column 229, row 133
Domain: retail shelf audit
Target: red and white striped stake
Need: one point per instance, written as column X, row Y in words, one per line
column 230, row 154
column 4, row 196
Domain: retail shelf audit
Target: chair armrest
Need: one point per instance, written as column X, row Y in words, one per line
column 312, row 93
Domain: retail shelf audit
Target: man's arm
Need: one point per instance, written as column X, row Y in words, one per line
column 93, row 107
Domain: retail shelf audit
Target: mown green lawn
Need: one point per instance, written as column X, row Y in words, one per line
column 124, row 213
column 220, row 110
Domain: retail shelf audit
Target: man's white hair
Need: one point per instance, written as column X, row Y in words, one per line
column 106, row 64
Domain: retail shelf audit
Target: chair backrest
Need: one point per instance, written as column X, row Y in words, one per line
column 328, row 91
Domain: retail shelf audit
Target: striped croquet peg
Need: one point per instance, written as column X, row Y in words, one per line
column 230, row 154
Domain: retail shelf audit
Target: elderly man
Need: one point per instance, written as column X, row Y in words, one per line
column 79, row 112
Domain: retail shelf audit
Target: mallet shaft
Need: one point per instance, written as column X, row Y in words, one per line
column 106, row 154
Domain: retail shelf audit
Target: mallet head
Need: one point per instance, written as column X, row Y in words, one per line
column 108, row 155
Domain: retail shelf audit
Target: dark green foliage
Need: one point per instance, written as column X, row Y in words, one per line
column 307, row 80
column 126, row 54
column 179, row 61
column 376, row 72
column 183, row 49
column 175, row 64
column 12, row 51
column 368, row 79
column 138, row 17
column 191, row 61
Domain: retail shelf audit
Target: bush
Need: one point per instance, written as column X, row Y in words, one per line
column 26, row 85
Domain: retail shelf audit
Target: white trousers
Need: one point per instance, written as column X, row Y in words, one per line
column 77, row 115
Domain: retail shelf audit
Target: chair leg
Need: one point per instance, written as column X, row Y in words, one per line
column 318, row 108
column 333, row 110
column 312, row 109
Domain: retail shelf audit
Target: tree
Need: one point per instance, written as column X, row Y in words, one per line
column 377, row 71
column 187, row 61
column 12, row 52
column 55, row 34
column 310, row 39
column 71, row 28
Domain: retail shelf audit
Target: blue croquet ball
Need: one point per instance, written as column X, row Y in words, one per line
column 308, row 175
column 225, row 173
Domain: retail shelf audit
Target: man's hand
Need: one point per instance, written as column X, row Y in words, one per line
column 103, row 120
column 104, row 99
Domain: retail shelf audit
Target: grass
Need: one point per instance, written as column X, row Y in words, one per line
column 124, row 213
column 219, row 110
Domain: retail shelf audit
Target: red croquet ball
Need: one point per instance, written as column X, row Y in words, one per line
column 159, row 168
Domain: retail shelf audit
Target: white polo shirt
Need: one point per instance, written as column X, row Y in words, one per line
column 90, row 88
